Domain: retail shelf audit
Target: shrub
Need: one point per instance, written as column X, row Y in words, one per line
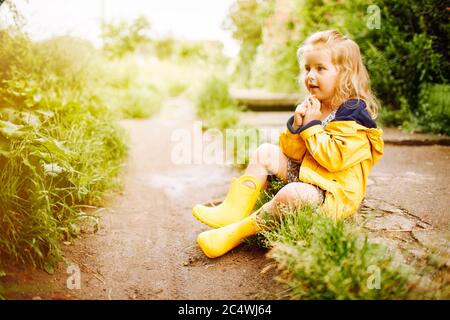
column 214, row 104
column 60, row 149
column 241, row 141
column 434, row 108
column 133, row 102
column 123, row 38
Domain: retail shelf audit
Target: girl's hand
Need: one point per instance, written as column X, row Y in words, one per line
column 298, row 115
column 312, row 110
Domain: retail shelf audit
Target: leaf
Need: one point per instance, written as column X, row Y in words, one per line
column 27, row 163
column 4, row 147
column 49, row 268
column 46, row 113
column 10, row 129
column 53, row 146
column 6, row 154
column 30, row 119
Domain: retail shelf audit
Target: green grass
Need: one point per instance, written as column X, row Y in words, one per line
column 61, row 148
column 136, row 86
column 319, row 258
column 214, row 104
column 48, row 173
column 323, row 259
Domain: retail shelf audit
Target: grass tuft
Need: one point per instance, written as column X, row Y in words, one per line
column 320, row 258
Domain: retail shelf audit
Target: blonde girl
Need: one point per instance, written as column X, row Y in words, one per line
column 324, row 156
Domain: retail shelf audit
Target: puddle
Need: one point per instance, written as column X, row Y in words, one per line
column 195, row 179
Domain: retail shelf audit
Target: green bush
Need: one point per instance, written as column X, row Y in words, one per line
column 434, row 108
column 241, row 141
column 176, row 88
column 120, row 39
column 214, row 104
column 133, row 102
column 409, row 50
column 274, row 69
column 164, row 48
column 60, row 149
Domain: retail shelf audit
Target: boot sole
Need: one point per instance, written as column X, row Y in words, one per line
column 204, row 221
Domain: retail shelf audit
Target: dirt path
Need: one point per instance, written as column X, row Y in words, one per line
column 145, row 247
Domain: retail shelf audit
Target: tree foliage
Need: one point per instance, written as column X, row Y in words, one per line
column 123, row 37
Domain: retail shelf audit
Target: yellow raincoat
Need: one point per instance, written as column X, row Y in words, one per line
column 338, row 159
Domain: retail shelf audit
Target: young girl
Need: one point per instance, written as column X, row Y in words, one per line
column 325, row 154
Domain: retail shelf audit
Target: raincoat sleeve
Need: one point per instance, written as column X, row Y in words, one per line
column 291, row 144
column 336, row 151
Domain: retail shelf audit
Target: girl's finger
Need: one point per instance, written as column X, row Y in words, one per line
column 301, row 110
column 309, row 102
column 300, row 106
column 316, row 102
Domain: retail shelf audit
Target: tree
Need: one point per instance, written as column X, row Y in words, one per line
column 245, row 20
column 122, row 38
column 11, row 8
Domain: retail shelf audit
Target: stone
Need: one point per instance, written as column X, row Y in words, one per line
column 391, row 222
column 436, row 239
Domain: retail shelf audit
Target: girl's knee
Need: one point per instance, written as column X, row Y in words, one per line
column 265, row 149
column 268, row 155
column 287, row 194
column 264, row 153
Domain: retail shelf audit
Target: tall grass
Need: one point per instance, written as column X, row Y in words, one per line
column 48, row 172
column 214, row 104
column 137, row 85
column 320, row 258
column 128, row 89
column 60, row 149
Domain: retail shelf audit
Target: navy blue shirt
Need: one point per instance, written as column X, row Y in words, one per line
column 350, row 110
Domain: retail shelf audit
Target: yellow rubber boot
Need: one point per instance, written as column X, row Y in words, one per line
column 237, row 205
column 215, row 243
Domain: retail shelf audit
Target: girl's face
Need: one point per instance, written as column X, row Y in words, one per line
column 320, row 75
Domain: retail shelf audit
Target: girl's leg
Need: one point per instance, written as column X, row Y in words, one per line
column 217, row 242
column 240, row 201
column 268, row 159
column 292, row 195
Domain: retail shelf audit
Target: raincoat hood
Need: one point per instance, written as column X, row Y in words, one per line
column 354, row 115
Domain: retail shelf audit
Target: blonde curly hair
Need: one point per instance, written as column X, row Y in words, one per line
column 354, row 81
